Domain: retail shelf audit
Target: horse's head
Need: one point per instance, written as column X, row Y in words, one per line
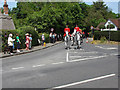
column 78, row 32
column 74, row 31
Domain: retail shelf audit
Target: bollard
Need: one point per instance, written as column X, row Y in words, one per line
column 44, row 44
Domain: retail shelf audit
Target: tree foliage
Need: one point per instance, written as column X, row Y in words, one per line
column 46, row 15
column 111, row 26
column 102, row 27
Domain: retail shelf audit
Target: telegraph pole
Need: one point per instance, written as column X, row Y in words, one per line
column 109, row 31
column 92, row 28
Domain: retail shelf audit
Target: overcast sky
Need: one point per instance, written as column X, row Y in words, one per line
column 112, row 5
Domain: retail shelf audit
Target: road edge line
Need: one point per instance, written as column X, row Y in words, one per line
column 85, row 81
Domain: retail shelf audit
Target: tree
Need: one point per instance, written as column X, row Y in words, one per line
column 46, row 15
column 101, row 27
column 111, row 26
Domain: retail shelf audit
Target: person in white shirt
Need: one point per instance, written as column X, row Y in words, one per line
column 10, row 43
column 43, row 39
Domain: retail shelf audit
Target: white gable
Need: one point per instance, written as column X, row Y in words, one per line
column 108, row 23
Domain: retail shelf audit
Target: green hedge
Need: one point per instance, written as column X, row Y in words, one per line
column 114, row 35
column 28, row 29
column 21, row 31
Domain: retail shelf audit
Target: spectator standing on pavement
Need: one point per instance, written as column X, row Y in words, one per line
column 27, row 41
column 30, row 44
column 83, row 34
column 53, row 38
column 58, row 37
column 43, row 39
column 10, row 43
column 18, row 43
column 50, row 37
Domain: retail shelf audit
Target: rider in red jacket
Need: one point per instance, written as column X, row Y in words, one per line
column 78, row 29
column 67, row 29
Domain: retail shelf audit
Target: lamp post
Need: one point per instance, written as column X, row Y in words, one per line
column 109, row 31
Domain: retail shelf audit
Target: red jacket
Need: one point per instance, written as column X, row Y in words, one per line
column 77, row 28
column 67, row 29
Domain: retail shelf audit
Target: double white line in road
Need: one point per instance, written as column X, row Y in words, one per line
column 85, row 81
column 58, row 63
column 84, row 52
column 106, row 48
column 87, row 58
column 90, row 57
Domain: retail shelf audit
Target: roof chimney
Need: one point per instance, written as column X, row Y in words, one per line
column 0, row 10
column 5, row 7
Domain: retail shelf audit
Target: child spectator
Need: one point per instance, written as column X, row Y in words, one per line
column 18, row 42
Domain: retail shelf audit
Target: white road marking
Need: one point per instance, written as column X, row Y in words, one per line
column 75, row 49
column 98, row 46
column 17, row 68
column 38, row 65
column 114, row 54
column 83, row 52
column 75, row 56
column 106, row 48
column 1, row 70
column 80, row 56
column 67, row 57
column 87, row 58
column 112, row 48
column 58, row 63
column 85, row 81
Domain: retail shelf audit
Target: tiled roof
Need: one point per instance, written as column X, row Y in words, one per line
column 116, row 22
column 102, row 23
column 7, row 22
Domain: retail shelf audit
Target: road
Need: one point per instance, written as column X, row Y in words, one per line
column 93, row 66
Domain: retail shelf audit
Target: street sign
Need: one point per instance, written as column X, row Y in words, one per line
column 52, row 29
column 92, row 27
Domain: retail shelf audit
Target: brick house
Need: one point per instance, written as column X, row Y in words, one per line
column 115, row 22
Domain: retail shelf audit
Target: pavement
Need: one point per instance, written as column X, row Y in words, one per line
column 92, row 66
column 35, row 48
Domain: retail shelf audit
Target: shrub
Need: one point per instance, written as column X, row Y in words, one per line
column 103, row 39
column 114, row 35
column 28, row 29
column 21, row 31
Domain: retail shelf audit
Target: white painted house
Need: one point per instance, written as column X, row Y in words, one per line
column 115, row 22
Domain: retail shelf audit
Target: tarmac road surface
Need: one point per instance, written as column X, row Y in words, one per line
column 92, row 66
